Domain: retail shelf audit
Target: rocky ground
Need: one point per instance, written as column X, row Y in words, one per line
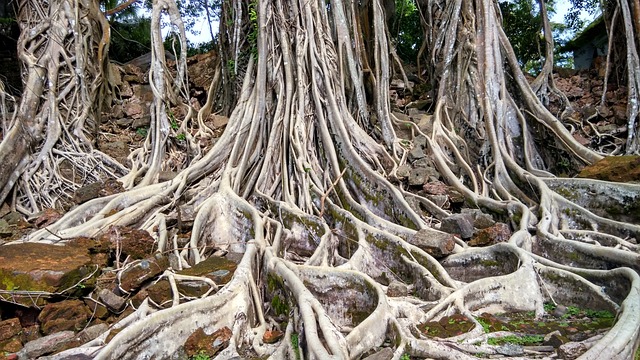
column 53, row 297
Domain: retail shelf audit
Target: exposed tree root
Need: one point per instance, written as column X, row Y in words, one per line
column 298, row 187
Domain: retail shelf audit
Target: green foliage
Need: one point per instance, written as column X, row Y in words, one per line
column 407, row 30
column 518, row 340
column 523, row 26
column 130, row 38
column 181, row 137
column 295, row 345
column 253, row 34
column 142, row 131
column 405, row 357
column 485, row 325
column 200, row 356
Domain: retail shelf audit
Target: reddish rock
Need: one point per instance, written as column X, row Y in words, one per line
column 64, row 315
column 139, row 271
column 497, row 233
column 614, row 168
column 272, row 336
column 96, row 190
column 436, row 188
column 30, row 333
column 47, row 217
column 137, row 244
column 201, row 343
column 435, row 243
column 10, row 346
column 9, row 328
column 41, row 267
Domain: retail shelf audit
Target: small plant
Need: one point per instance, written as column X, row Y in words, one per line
column 200, row 356
column 405, row 357
column 142, row 131
column 485, row 325
column 295, row 345
column 549, row 307
column 181, row 137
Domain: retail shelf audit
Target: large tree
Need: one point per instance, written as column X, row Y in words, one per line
column 301, row 183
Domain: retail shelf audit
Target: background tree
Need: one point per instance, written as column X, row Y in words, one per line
column 300, row 185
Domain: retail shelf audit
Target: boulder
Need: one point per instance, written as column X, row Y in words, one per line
column 208, row 345
column 65, row 315
column 435, row 243
column 497, row 233
column 397, row 289
column 10, row 335
column 614, row 168
column 137, row 244
column 459, row 224
column 140, row 271
column 384, row 354
column 48, row 345
column 47, row 268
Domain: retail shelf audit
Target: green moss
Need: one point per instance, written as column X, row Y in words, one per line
column 569, row 194
column 279, row 307
column 13, row 282
column 295, row 345
column 518, row 340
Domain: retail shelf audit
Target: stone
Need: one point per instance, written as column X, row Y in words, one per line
column 113, row 302
column 219, row 121
column 435, row 188
column 116, row 149
column 10, row 346
column 272, row 336
column 555, row 339
column 47, row 217
column 48, row 345
column 425, row 123
column 5, row 229
column 96, row 190
column 614, row 168
column 135, row 243
column 134, row 110
column 500, row 232
column 139, row 271
column 416, row 153
column 65, row 315
column 397, row 289
column 142, row 122
column 56, row 266
column 209, row 345
column 571, row 350
column 403, row 171
column 420, row 175
column 30, row 333
column 509, row 349
column 9, row 328
column 435, row 243
column 480, row 220
column 92, row 332
column 384, row 354
column 458, row 224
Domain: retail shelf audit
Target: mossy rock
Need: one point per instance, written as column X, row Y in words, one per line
column 614, row 168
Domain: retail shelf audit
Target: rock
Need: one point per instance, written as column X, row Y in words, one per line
column 415, row 112
column 92, row 332
column 509, row 349
column 435, row 243
column 64, row 315
column 440, row 200
column 555, row 339
column 137, row 244
column 435, row 188
column 219, row 121
column 384, row 354
column 559, row 311
column 47, row 217
column 403, row 171
column 134, row 110
column 55, row 267
column 497, row 233
column 216, row 268
column 9, row 328
column 416, row 153
column 142, row 122
column 397, row 289
column 425, row 123
column 116, row 149
column 571, row 350
column 614, row 168
column 48, row 345
column 208, row 345
column 420, row 175
column 272, row 336
column 113, row 302
column 139, row 271
column 459, row 224
column 480, row 220
column 96, row 190
column 30, row 333
column 5, row 229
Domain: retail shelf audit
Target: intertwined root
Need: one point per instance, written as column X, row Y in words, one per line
column 297, row 185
